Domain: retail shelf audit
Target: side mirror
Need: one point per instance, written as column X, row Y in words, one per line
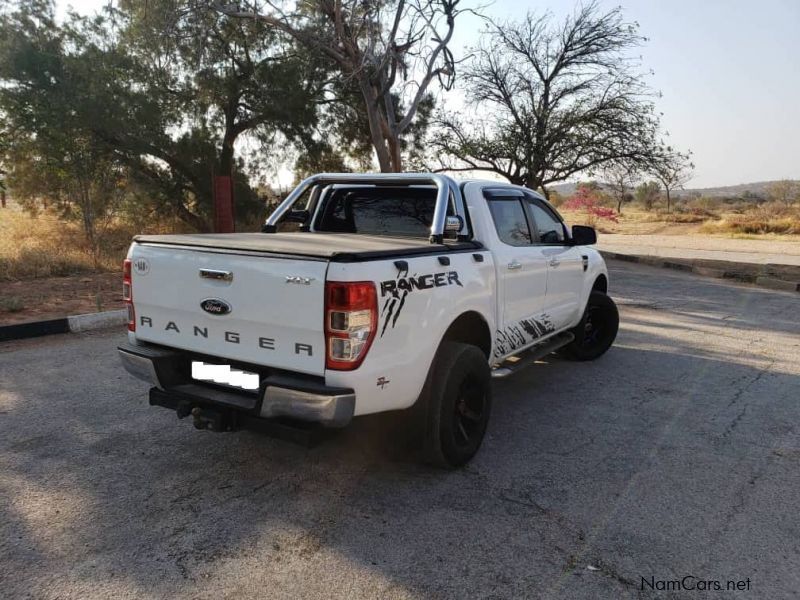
column 453, row 224
column 583, row 235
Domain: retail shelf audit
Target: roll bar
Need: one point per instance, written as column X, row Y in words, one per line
column 445, row 188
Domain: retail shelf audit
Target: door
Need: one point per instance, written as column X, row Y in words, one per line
column 521, row 273
column 564, row 263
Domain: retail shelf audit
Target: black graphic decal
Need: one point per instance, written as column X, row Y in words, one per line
column 522, row 333
column 396, row 291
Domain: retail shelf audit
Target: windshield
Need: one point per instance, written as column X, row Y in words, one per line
column 406, row 212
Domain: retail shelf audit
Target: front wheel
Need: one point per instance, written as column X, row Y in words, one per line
column 457, row 399
column 597, row 330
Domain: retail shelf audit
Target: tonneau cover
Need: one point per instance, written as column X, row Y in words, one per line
column 333, row 246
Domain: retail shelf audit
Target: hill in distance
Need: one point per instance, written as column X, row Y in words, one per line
column 759, row 188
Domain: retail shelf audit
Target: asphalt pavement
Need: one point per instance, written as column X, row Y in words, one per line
column 673, row 458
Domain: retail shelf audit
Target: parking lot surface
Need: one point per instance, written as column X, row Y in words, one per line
column 676, row 454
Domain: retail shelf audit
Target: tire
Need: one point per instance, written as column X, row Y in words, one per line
column 456, row 402
column 597, row 330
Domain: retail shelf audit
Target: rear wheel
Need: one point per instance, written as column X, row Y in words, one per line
column 597, row 330
column 457, row 400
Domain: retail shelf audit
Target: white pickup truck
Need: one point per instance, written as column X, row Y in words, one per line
column 364, row 294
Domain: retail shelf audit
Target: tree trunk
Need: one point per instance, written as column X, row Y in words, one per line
column 394, row 152
column 225, row 167
column 667, row 189
column 545, row 192
column 532, row 182
column 89, row 230
column 375, row 128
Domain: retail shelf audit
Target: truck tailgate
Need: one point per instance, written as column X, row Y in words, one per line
column 271, row 309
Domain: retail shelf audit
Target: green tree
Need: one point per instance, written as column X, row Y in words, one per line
column 163, row 90
column 216, row 80
column 46, row 112
column 647, row 193
column 386, row 52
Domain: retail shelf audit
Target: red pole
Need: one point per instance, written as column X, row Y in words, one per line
column 223, row 204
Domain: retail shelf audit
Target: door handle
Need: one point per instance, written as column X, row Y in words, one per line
column 554, row 262
column 514, row 265
column 215, row 274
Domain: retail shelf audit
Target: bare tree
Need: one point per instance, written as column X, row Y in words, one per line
column 673, row 170
column 392, row 50
column 620, row 177
column 785, row 191
column 553, row 100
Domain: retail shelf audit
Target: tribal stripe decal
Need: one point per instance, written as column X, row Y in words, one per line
column 522, row 333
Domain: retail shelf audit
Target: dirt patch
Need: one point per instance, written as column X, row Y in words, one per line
column 53, row 297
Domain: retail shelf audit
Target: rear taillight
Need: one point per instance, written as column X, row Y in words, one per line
column 351, row 320
column 127, row 293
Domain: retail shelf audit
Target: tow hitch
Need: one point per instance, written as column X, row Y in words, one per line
column 209, row 419
column 219, row 419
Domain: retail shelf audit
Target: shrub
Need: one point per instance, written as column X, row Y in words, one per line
column 588, row 201
column 11, row 304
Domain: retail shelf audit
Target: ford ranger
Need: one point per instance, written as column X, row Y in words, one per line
column 364, row 294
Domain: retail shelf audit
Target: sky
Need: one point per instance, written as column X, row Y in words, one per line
column 728, row 72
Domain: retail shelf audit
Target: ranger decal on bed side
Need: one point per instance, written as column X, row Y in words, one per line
column 398, row 289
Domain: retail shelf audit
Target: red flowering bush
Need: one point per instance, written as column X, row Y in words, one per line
column 587, row 200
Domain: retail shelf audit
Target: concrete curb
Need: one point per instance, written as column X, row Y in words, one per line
column 101, row 320
column 74, row 324
column 760, row 275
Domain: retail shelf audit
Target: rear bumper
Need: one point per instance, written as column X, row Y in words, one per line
column 279, row 395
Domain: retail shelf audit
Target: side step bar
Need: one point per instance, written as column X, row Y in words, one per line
column 526, row 358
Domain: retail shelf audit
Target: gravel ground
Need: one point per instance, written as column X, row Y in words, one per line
column 675, row 454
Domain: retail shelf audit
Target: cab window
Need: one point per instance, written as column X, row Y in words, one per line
column 549, row 228
column 510, row 221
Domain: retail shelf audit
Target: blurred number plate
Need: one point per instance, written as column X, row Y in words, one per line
column 225, row 374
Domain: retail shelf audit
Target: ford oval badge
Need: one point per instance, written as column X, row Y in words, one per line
column 215, row 306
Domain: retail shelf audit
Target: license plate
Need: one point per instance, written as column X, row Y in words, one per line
column 225, row 375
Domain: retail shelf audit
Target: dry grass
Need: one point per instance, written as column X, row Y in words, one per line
column 45, row 246
column 745, row 224
column 704, row 216
column 770, row 218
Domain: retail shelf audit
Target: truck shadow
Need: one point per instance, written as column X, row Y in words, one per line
column 101, row 495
